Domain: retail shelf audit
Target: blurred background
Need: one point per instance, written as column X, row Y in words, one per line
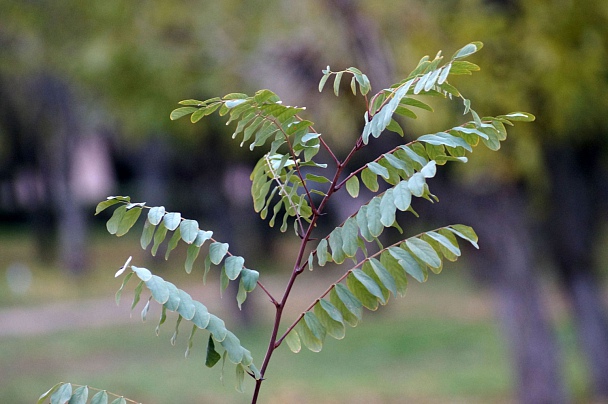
column 86, row 89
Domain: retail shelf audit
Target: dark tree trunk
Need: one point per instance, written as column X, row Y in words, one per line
column 55, row 125
column 573, row 228
column 505, row 263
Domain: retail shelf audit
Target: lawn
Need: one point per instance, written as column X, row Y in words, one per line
column 439, row 344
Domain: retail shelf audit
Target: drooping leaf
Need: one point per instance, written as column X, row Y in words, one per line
column 331, row 318
column 212, row 355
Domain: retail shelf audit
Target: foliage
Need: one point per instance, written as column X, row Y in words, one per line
column 288, row 179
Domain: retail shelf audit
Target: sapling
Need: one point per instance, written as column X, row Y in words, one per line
column 291, row 187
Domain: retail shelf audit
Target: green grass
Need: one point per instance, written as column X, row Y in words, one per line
column 384, row 358
column 439, row 344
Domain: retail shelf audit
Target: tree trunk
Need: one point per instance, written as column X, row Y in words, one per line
column 573, row 228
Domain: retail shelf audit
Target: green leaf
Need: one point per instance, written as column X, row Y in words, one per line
column 307, row 337
column 189, row 230
column 217, row 251
column 374, row 215
column 240, row 379
column 350, row 307
column 424, row 252
column 293, row 341
column 408, row 113
column 122, row 286
column 62, row 394
column 103, row 205
column 191, row 255
column 317, row 178
column 518, row 116
column 359, row 290
column 159, row 237
column 370, row 180
column 385, row 277
column 409, row 263
column 114, row 222
column 147, row 234
column 417, row 184
column 416, row 103
column 212, row 355
column 137, row 294
column 446, row 139
column 353, row 85
column 323, row 81
column 331, row 318
column 173, row 242
column 182, row 111
column 186, row 307
column 394, row 126
column 464, row 232
column 468, row 50
column 396, row 271
column 352, row 186
column 350, row 236
column 119, row 400
column 100, row 398
column 337, row 83
column 322, row 252
column 234, row 265
column 335, row 243
column 445, row 242
column 171, row 220
column 378, row 169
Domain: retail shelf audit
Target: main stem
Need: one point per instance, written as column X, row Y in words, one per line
column 297, row 269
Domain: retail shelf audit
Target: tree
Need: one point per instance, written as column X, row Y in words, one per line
column 289, row 181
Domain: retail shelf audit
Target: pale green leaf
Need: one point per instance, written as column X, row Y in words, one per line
column 171, row 220
column 189, row 230
column 158, row 288
column 387, row 208
column 464, row 232
column 370, row 180
column 147, row 234
column 293, row 341
column 217, row 251
column 352, row 186
column 322, row 252
column 307, row 337
column 100, row 398
column 155, row 215
column 337, row 83
column 374, row 215
column 402, row 196
column 114, row 222
column 234, row 265
column 424, row 252
column 331, row 318
column 201, row 315
column 409, row 263
column 182, row 111
column 62, row 394
column 385, row 277
column 396, row 271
